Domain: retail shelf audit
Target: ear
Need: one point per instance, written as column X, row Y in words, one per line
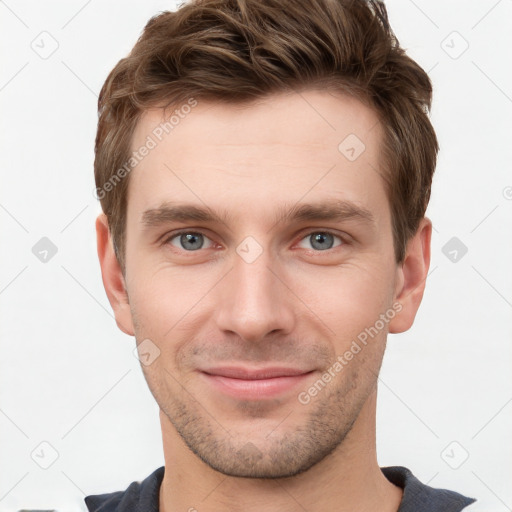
column 411, row 277
column 113, row 279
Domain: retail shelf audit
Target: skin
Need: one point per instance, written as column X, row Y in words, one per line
column 295, row 305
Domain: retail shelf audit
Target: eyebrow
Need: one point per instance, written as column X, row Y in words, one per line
column 330, row 210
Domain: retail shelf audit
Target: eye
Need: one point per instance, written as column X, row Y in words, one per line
column 321, row 240
column 189, row 241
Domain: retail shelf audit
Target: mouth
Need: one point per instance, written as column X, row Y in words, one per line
column 254, row 383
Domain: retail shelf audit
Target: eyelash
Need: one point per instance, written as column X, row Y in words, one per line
column 343, row 240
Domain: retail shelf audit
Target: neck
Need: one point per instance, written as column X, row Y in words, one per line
column 348, row 479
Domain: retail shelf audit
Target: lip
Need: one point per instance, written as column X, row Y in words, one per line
column 254, row 383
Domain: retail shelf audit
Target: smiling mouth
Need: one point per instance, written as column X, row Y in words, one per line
column 255, row 384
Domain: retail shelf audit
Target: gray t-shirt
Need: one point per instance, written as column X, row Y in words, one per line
column 143, row 497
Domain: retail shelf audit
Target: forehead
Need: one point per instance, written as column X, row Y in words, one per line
column 303, row 119
column 255, row 155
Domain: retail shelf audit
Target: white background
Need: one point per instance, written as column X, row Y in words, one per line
column 68, row 375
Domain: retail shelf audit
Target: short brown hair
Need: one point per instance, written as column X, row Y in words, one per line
column 241, row 50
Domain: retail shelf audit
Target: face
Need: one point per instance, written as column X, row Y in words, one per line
column 259, row 256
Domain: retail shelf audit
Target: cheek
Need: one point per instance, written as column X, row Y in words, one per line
column 166, row 301
column 348, row 298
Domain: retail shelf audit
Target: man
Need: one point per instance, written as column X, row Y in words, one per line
column 264, row 168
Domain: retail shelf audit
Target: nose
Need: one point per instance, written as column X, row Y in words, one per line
column 255, row 301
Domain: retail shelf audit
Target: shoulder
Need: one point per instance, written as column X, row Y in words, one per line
column 138, row 496
column 419, row 497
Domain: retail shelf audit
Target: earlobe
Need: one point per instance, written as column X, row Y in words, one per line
column 112, row 277
column 411, row 277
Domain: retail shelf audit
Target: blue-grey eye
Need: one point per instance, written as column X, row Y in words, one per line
column 189, row 241
column 321, row 240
